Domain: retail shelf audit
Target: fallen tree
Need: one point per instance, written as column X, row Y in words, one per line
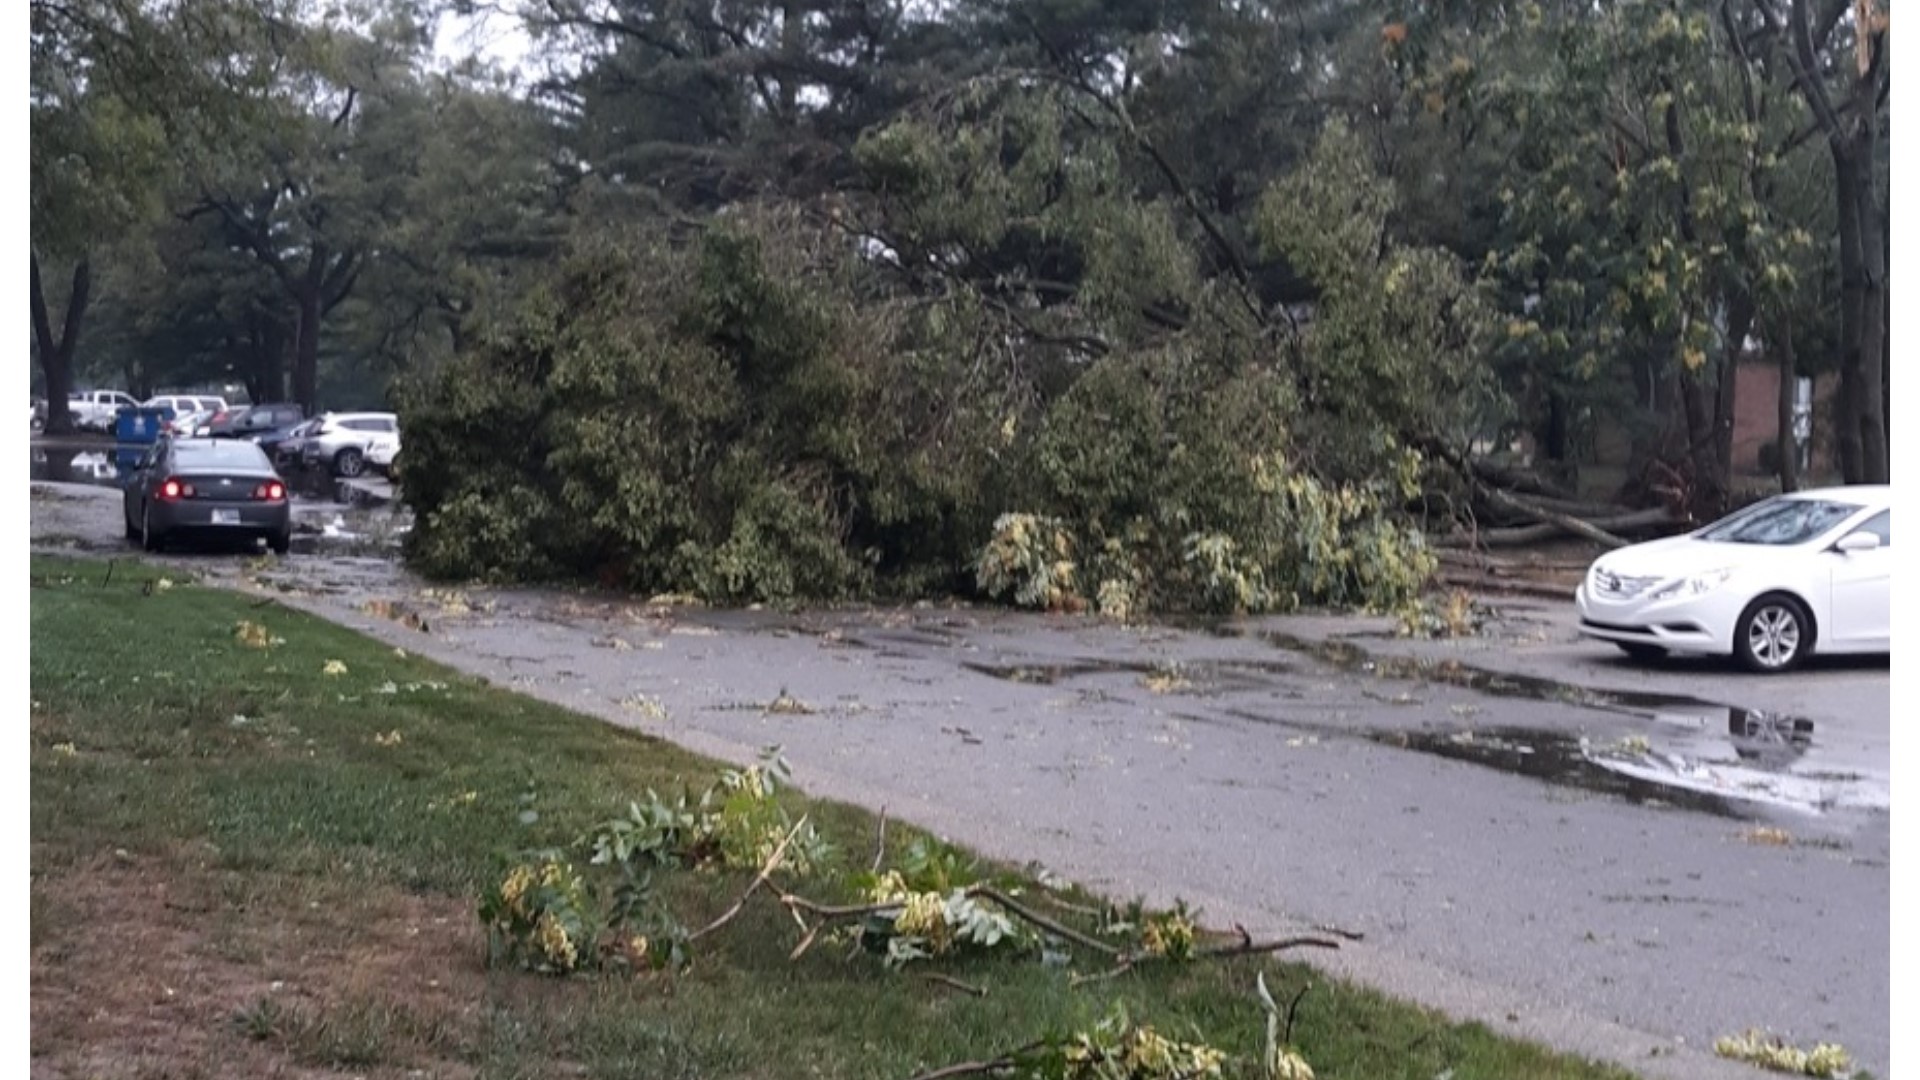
column 1559, row 524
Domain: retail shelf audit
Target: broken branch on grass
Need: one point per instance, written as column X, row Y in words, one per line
column 759, row 879
column 1260, row 948
column 880, row 842
column 1291, row 1007
column 1246, row 946
column 956, row 984
column 979, row 1068
column 1051, row 926
column 828, row 914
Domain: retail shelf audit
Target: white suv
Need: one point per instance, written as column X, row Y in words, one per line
column 182, row 404
column 343, row 441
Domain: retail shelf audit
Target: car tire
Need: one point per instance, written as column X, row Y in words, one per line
column 280, row 543
column 133, row 531
column 1774, row 635
column 1644, row 654
column 150, row 541
column 350, row 463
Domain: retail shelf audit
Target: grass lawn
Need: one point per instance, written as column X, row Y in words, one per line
column 239, row 870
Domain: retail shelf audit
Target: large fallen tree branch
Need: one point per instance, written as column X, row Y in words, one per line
column 1549, row 528
column 1545, row 516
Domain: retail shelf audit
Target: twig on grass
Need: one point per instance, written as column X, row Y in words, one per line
column 759, row 879
column 1244, row 947
column 1292, row 1006
column 976, row 1068
column 950, row 981
column 1051, row 926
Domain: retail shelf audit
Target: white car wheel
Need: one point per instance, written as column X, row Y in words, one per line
column 1773, row 635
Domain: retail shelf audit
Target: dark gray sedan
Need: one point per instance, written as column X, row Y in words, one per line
column 207, row 489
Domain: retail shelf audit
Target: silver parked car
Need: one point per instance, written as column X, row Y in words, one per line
column 207, row 489
column 343, row 441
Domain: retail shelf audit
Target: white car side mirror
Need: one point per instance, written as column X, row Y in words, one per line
column 1860, row 541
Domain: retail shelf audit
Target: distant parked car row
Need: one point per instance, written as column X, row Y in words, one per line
column 345, row 444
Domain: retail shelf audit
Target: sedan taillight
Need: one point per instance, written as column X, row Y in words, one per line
column 271, row 491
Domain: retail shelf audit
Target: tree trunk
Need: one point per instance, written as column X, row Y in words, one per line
column 56, row 354
column 1740, row 314
column 267, row 342
column 306, row 352
column 1789, row 444
column 1847, row 427
column 1708, row 490
column 1556, row 445
column 1872, row 336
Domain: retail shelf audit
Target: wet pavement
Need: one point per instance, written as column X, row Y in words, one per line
column 1625, row 863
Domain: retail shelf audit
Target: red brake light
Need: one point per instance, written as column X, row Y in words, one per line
column 175, row 489
column 272, row 491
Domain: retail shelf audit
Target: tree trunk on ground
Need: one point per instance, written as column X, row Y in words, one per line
column 56, row 354
column 1789, row 456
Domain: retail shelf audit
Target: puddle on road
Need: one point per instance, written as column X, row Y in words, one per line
column 1695, row 754
column 1349, row 657
column 1556, row 757
column 1199, row 677
column 1050, row 674
column 1741, row 775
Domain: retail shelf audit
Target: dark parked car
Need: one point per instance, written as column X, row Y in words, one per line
column 283, row 444
column 254, row 420
column 207, row 489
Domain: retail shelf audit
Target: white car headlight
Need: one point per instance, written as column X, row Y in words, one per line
column 1694, row 585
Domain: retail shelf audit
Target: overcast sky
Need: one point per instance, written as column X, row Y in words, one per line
column 497, row 37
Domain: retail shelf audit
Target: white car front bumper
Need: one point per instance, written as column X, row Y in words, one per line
column 1682, row 623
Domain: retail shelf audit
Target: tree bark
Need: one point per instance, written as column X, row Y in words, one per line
column 1740, row 316
column 306, row 349
column 56, row 354
column 1870, row 360
column 1789, row 463
column 1853, row 135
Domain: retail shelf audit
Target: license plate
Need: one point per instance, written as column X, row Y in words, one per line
column 226, row 517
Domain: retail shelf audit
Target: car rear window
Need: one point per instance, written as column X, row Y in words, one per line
column 221, row 454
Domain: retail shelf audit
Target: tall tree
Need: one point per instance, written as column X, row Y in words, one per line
column 95, row 163
column 1836, row 59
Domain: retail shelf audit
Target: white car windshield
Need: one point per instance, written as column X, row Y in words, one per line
column 1780, row 522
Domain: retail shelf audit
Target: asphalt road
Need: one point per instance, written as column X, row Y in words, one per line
column 1528, row 831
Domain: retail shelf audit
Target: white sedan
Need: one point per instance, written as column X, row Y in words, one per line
column 1771, row 584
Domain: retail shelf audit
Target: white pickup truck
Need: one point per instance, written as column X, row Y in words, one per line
column 95, row 410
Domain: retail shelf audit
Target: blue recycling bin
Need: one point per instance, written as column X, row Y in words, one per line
column 140, row 426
